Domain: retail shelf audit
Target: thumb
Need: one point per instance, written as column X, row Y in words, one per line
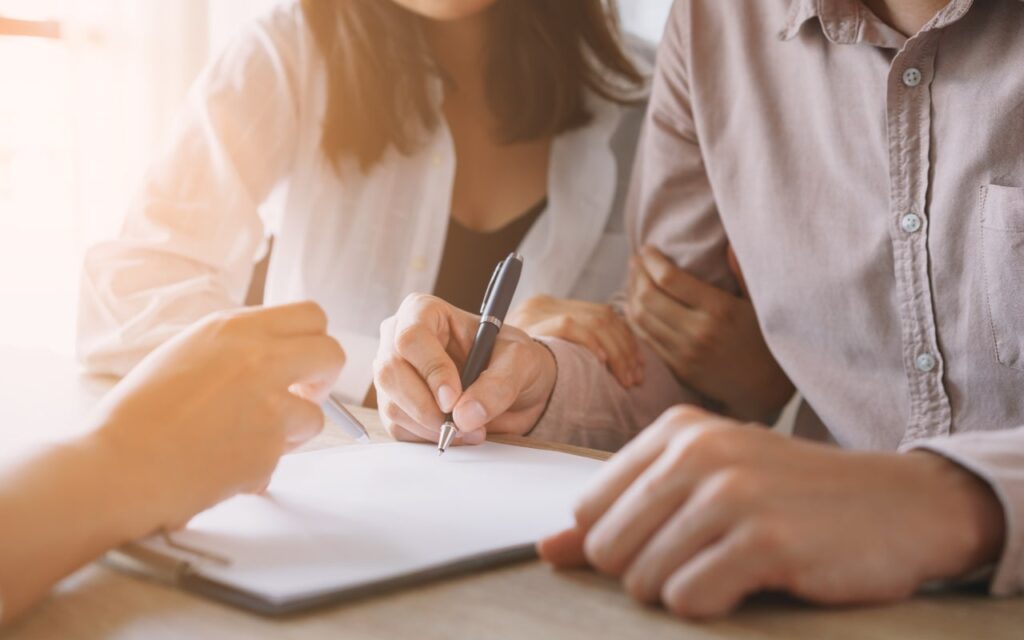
column 677, row 283
column 563, row 550
column 507, row 389
column 734, row 267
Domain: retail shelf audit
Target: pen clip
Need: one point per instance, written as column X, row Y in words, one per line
column 490, row 286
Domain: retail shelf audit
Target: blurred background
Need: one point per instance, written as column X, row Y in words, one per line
column 88, row 89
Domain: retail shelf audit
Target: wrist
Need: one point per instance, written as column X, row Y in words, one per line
column 548, row 381
column 968, row 514
column 128, row 482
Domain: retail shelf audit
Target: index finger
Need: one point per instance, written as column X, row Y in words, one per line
column 622, row 470
column 423, row 330
column 310, row 360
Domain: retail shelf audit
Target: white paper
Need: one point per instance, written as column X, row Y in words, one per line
column 343, row 517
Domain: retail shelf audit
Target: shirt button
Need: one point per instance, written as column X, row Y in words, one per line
column 912, row 77
column 436, row 160
column 419, row 263
column 925, row 362
column 911, row 223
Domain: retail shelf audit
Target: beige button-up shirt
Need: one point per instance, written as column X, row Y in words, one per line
column 872, row 186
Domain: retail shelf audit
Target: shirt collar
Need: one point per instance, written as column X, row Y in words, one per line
column 850, row 22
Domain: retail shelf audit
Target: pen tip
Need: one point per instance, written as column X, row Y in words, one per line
column 439, row 452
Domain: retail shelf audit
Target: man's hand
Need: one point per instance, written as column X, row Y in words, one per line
column 209, row 413
column 709, row 338
column 416, row 372
column 700, row 511
column 598, row 327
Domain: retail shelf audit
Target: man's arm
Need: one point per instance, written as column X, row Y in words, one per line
column 670, row 206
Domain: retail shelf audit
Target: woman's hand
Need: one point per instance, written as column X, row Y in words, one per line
column 203, row 417
column 422, row 349
column 209, row 413
column 598, row 327
column 709, row 338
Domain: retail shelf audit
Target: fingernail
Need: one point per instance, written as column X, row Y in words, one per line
column 446, row 398
column 472, row 416
column 474, row 437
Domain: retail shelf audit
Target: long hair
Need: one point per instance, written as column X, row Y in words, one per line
column 542, row 56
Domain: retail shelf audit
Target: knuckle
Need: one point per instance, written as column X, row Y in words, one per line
column 767, row 536
column 382, row 366
column 566, row 325
column 598, row 553
column 407, row 338
column 537, row 302
column 704, row 339
column 335, row 351
column 681, row 415
column 704, row 442
column 646, row 295
column 434, row 372
column 666, row 278
column 393, row 430
column 733, row 485
column 387, row 326
column 315, row 311
column 636, row 586
column 679, row 599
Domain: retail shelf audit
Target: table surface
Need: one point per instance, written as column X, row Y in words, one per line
column 44, row 395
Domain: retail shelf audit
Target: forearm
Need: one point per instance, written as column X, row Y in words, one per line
column 62, row 506
column 589, row 407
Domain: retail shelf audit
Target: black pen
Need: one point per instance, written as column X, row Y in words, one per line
column 497, row 300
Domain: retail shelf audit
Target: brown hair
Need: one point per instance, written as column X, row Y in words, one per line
column 542, row 56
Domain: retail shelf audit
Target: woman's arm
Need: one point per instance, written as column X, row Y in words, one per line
column 191, row 236
column 709, row 338
column 597, row 327
column 202, row 418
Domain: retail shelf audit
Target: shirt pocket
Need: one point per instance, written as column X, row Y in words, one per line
column 1002, row 239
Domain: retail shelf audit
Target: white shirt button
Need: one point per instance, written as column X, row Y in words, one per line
column 925, row 362
column 912, row 77
column 911, row 223
column 419, row 263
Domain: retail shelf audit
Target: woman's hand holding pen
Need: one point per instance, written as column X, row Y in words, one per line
column 416, row 372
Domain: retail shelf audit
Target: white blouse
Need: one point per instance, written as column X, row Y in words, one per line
column 245, row 164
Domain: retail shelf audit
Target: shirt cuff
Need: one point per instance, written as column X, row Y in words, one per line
column 555, row 423
column 998, row 459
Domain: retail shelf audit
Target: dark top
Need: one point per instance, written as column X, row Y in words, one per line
column 470, row 257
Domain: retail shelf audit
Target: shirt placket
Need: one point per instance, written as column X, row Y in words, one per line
column 908, row 113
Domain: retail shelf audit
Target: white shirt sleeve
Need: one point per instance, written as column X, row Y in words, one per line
column 190, row 239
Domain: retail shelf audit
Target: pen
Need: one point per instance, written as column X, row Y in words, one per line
column 344, row 419
column 497, row 300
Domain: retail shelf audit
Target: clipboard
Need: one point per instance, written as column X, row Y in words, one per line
column 199, row 559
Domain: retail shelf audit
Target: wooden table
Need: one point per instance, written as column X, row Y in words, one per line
column 44, row 395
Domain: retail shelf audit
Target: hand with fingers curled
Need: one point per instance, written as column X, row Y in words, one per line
column 598, row 327
column 416, row 374
column 709, row 338
column 700, row 511
column 209, row 413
